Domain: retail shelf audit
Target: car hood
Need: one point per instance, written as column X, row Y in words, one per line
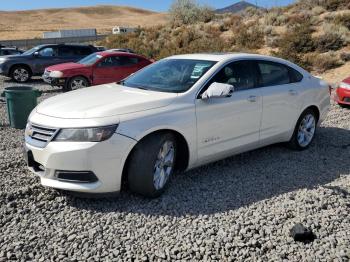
column 103, row 101
column 346, row 80
column 65, row 66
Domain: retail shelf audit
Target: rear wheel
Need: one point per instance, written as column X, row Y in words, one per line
column 305, row 130
column 21, row 74
column 77, row 82
column 151, row 164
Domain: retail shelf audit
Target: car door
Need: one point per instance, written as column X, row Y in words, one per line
column 231, row 124
column 107, row 70
column 129, row 65
column 66, row 54
column 45, row 57
column 80, row 52
column 281, row 100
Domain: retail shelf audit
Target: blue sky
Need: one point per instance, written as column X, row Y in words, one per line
column 156, row 5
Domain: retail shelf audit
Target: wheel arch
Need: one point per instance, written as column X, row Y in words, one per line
column 183, row 154
column 313, row 108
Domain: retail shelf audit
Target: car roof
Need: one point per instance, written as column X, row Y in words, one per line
column 109, row 52
column 218, row 57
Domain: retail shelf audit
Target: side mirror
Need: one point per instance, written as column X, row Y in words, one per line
column 217, row 90
column 36, row 54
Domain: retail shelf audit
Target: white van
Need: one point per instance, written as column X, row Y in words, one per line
column 117, row 30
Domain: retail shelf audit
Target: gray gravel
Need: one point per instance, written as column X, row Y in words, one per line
column 241, row 208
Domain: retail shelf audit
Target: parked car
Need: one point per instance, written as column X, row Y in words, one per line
column 4, row 51
column 34, row 61
column 343, row 93
column 95, row 69
column 175, row 114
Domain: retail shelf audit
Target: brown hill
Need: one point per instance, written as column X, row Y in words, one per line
column 31, row 24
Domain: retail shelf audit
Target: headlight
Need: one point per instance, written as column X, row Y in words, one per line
column 56, row 74
column 2, row 60
column 344, row 85
column 94, row 134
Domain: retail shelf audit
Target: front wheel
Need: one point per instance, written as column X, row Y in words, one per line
column 21, row 74
column 305, row 130
column 152, row 164
column 76, row 82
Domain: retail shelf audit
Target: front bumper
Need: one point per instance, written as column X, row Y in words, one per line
column 54, row 81
column 342, row 96
column 105, row 160
column 3, row 70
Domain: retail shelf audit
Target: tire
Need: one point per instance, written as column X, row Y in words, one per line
column 305, row 131
column 76, row 82
column 21, row 74
column 148, row 172
column 344, row 106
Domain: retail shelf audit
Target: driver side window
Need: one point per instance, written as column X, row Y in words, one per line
column 48, row 52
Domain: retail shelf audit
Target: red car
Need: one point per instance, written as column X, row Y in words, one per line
column 95, row 69
column 343, row 93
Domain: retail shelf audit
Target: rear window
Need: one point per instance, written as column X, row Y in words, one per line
column 128, row 61
column 273, row 74
column 82, row 50
column 295, row 76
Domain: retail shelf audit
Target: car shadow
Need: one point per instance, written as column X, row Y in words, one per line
column 240, row 180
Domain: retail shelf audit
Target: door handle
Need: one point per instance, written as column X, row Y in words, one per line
column 293, row 92
column 252, row 99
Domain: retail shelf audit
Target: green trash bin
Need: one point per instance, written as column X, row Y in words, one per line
column 20, row 100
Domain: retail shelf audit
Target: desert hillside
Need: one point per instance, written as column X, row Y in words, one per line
column 30, row 24
column 311, row 33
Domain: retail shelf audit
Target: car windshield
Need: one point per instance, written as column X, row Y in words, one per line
column 169, row 75
column 90, row 59
column 31, row 51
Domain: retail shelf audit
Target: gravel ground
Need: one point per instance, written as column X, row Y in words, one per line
column 241, row 208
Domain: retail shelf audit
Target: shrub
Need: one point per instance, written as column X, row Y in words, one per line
column 343, row 20
column 323, row 62
column 184, row 12
column 297, row 39
column 231, row 22
column 275, row 18
column 248, row 37
column 345, row 57
column 329, row 41
column 318, row 10
column 333, row 5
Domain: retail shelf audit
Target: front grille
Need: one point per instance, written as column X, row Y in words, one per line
column 39, row 136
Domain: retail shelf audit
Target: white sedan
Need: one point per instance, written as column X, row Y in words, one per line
column 179, row 113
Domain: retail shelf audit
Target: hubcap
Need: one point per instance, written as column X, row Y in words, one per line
column 21, row 74
column 164, row 164
column 306, row 130
column 78, row 83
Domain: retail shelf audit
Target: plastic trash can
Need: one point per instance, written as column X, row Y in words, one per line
column 20, row 100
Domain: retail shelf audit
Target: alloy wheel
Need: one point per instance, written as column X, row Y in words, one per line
column 21, row 75
column 78, row 83
column 306, row 131
column 164, row 164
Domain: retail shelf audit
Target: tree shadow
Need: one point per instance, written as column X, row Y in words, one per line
column 240, row 180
